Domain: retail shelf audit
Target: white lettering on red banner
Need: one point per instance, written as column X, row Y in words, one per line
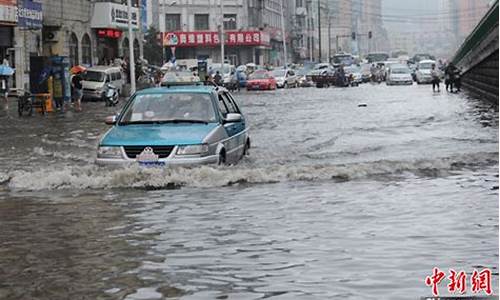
column 204, row 38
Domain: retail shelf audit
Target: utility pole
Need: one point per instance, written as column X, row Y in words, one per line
column 319, row 28
column 222, row 37
column 131, row 48
column 283, row 35
column 329, row 38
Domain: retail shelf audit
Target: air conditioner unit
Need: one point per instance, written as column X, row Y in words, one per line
column 51, row 37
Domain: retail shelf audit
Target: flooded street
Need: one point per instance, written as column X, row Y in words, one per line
column 336, row 201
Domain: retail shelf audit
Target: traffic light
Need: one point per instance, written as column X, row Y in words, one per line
column 353, row 35
column 370, row 35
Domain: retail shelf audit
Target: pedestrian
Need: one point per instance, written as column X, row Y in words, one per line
column 450, row 74
column 217, row 78
column 4, row 88
column 435, row 78
column 77, row 88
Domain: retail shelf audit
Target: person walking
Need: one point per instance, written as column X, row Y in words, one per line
column 76, row 83
column 435, row 78
column 449, row 72
column 4, row 88
column 217, row 78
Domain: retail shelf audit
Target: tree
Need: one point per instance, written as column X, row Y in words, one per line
column 153, row 50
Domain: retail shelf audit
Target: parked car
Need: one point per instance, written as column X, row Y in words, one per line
column 261, row 80
column 176, row 126
column 353, row 73
column 366, row 72
column 95, row 80
column 285, row 78
column 423, row 73
column 399, row 74
column 302, row 79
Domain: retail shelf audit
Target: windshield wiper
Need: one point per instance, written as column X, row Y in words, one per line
column 164, row 122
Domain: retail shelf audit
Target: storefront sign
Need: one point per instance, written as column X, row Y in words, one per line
column 113, row 15
column 204, row 38
column 8, row 11
column 109, row 33
column 144, row 15
column 30, row 14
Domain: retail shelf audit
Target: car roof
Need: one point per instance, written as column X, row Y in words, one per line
column 426, row 61
column 198, row 89
column 102, row 68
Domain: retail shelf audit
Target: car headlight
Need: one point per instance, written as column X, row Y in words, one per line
column 201, row 150
column 109, row 152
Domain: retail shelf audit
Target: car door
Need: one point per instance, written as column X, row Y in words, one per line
column 235, row 130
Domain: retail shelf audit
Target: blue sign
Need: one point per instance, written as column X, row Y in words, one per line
column 30, row 14
column 144, row 15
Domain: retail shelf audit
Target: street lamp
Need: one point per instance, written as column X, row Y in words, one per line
column 131, row 48
column 283, row 34
column 222, row 34
column 163, row 15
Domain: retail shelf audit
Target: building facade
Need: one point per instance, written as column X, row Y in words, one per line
column 87, row 32
column 253, row 32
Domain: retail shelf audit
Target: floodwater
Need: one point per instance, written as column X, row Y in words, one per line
column 336, row 201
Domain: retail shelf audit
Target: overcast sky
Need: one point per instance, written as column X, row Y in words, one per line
column 407, row 8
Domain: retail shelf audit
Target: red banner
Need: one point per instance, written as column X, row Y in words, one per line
column 210, row 38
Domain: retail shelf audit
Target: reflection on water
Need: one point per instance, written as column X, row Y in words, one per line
column 335, row 202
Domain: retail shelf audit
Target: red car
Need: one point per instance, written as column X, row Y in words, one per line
column 261, row 80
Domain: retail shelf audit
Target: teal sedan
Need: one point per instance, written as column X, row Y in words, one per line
column 176, row 126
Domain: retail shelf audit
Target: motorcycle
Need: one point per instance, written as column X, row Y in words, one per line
column 111, row 96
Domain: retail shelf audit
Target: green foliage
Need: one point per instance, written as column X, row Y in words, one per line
column 152, row 47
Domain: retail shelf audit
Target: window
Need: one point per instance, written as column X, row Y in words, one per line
column 172, row 22
column 222, row 106
column 230, row 22
column 86, row 50
column 73, row 50
column 233, row 108
column 201, row 22
column 125, row 47
column 136, row 48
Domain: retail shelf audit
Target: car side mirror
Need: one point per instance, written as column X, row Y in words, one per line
column 233, row 118
column 110, row 120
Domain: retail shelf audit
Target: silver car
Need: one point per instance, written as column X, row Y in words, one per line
column 285, row 78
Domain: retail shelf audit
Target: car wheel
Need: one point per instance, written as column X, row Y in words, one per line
column 246, row 150
column 222, row 158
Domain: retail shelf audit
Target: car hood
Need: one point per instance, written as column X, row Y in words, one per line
column 157, row 134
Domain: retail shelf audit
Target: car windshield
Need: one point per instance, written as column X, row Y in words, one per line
column 279, row 73
column 169, row 108
column 259, row 75
column 401, row 71
column 94, row 76
column 302, row 72
column 425, row 65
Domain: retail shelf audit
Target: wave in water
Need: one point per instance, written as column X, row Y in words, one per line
column 94, row 177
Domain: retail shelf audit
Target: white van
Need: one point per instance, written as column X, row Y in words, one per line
column 95, row 79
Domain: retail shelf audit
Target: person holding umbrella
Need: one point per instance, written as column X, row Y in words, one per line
column 77, row 87
column 5, row 73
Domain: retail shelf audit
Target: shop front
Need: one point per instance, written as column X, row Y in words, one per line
column 241, row 46
column 110, row 26
column 8, row 20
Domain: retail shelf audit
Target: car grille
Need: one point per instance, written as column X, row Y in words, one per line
column 161, row 151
